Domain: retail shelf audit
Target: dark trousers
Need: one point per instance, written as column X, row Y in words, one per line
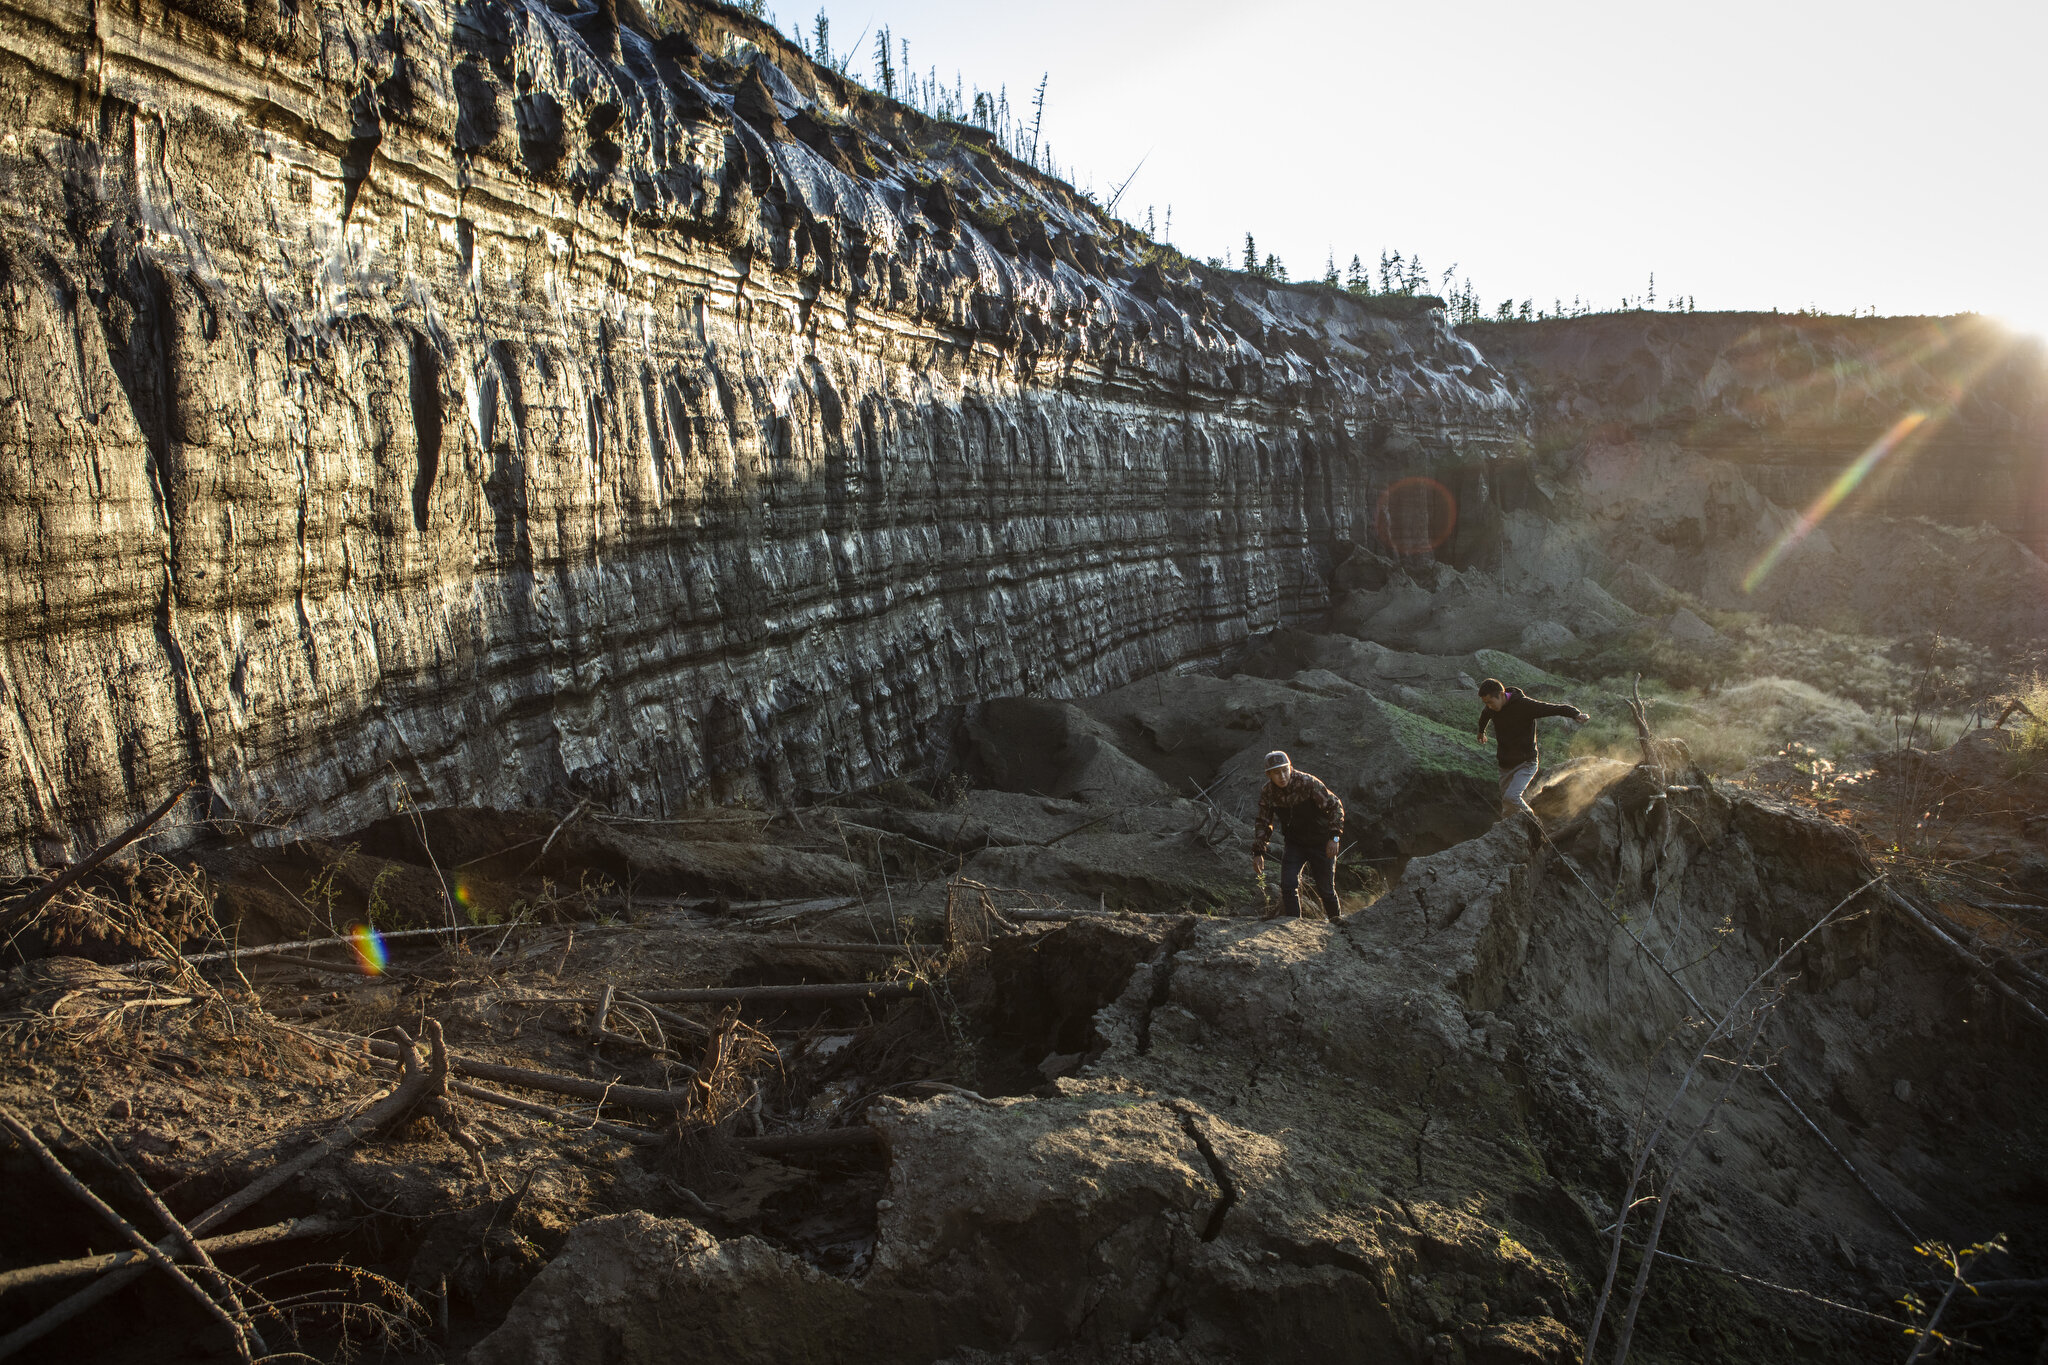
column 1320, row 865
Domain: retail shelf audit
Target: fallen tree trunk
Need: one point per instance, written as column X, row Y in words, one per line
column 239, row 1326
column 562, row 1117
column 270, row 949
column 84, row 1267
column 747, row 995
column 628, row 1096
column 784, row 1144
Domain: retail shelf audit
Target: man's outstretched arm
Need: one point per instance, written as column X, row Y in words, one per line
column 1262, row 827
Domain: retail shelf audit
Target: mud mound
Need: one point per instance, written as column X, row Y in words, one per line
column 1412, row 784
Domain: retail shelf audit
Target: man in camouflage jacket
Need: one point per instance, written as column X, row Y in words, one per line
column 1311, row 821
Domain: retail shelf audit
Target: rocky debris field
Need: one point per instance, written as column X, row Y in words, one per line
column 1013, row 1070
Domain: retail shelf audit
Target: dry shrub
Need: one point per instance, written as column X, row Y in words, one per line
column 2030, row 734
column 737, row 1060
column 150, row 904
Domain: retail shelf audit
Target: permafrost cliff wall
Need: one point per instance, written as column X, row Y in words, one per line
column 486, row 401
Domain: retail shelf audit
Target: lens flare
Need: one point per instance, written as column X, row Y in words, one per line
column 1845, row 483
column 462, row 892
column 1415, row 515
column 369, row 945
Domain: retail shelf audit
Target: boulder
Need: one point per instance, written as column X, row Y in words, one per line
column 1644, row 591
column 1412, row 784
column 1549, row 640
column 1685, row 626
column 1055, row 749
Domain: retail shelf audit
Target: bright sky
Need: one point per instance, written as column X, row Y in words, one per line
column 1753, row 155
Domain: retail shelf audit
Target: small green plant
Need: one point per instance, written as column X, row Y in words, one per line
column 379, row 912
column 1954, row 1263
column 1825, row 777
column 2028, row 706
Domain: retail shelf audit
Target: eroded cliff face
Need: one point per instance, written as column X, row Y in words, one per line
column 1952, row 411
column 488, row 402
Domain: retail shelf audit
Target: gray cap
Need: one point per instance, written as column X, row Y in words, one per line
column 1277, row 759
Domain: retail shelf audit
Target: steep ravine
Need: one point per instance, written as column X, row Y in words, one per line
column 489, row 404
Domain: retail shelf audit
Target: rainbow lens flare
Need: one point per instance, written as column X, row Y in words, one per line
column 371, row 957
column 1845, row 483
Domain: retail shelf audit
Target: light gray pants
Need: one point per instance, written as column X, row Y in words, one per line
column 1513, row 783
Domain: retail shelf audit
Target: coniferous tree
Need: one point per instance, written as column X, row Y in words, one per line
column 1038, row 115
column 1355, row 278
column 1390, row 272
column 821, row 39
column 1330, row 269
column 1272, row 269
column 1251, row 255
column 885, row 69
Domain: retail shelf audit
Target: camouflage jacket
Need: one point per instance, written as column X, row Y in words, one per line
column 1308, row 812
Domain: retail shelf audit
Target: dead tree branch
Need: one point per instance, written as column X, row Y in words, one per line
column 242, row 1332
column 1665, row 1197
column 434, row 1102
column 1982, row 970
column 601, row 1092
column 192, row 1248
column 397, row 1102
column 83, row 1267
column 824, row 992
column 567, row 820
column 78, row 871
column 1720, row 1029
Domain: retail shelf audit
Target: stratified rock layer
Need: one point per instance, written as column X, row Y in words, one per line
column 487, row 403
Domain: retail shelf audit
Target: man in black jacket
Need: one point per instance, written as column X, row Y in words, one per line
column 1513, row 716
